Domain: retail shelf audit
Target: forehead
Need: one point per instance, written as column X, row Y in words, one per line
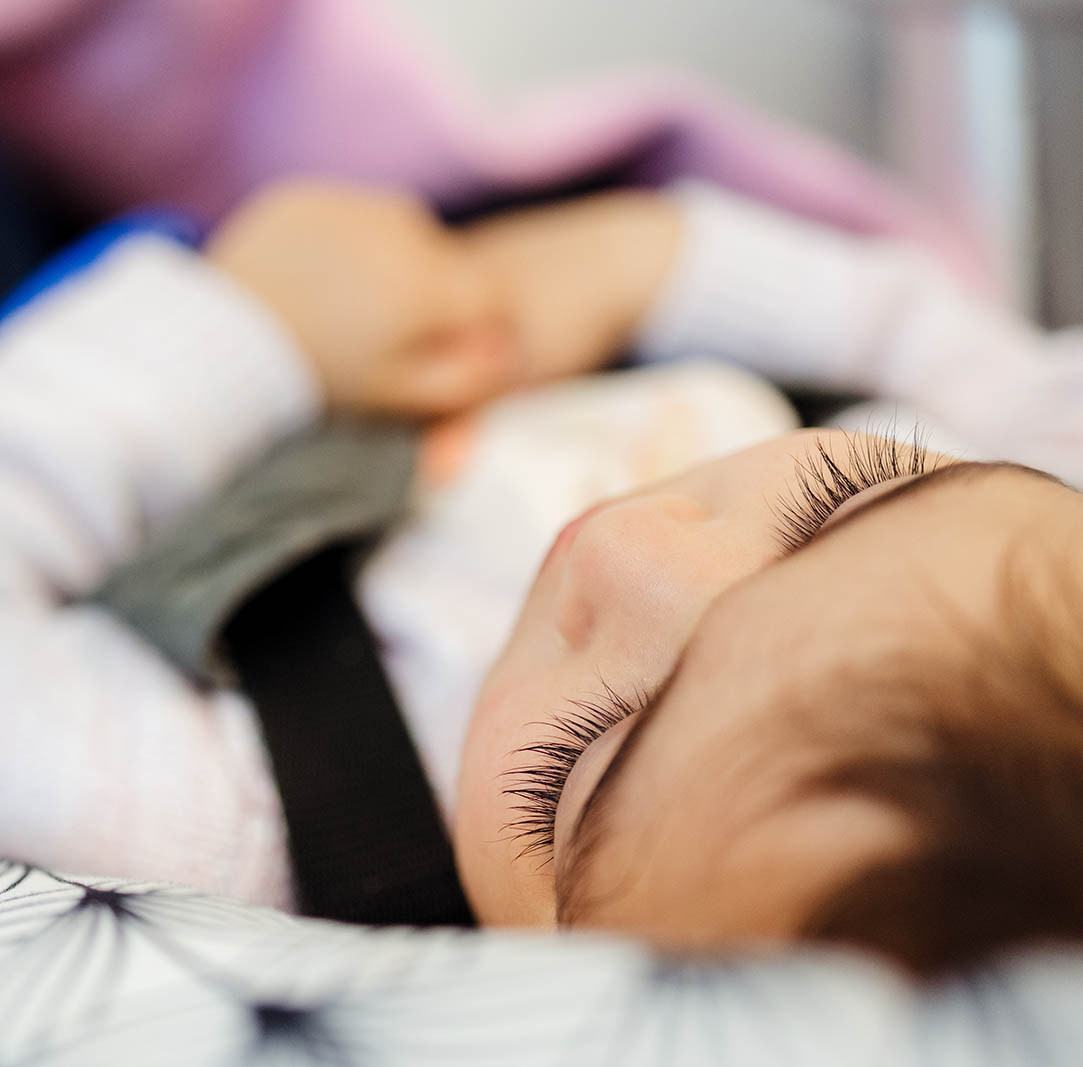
column 891, row 579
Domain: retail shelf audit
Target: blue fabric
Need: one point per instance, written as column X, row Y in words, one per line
column 87, row 250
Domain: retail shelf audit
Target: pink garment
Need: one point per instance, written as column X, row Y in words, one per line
column 194, row 102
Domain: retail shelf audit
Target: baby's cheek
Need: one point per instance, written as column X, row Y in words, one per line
column 503, row 889
column 473, row 832
column 487, row 755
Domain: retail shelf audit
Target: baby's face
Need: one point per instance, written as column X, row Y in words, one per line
column 630, row 756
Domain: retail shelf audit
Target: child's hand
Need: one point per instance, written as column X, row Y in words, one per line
column 394, row 311
column 580, row 274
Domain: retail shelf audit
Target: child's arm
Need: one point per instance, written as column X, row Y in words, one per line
column 799, row 303
column 810, row 306
column 144, row 382
column 698, row 271
column 126, row 393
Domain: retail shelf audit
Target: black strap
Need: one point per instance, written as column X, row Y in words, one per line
column 367, row 841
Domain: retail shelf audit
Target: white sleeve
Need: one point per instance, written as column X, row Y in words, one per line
column 126, row 393
column 809, row 306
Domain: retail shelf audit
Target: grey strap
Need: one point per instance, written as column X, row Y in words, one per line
column 334, row 482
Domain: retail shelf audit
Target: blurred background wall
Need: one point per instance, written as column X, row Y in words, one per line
column 810, row 60
column 976, row 102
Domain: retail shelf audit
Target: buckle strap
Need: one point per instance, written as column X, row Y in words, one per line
column 367, row 841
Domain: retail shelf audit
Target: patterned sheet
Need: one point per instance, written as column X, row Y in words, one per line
column 105, row 972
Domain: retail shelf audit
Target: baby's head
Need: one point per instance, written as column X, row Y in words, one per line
column 825, row 688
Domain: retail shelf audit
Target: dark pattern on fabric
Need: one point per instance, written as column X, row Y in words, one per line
column 99, row 971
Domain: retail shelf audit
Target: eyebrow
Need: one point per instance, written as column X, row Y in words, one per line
column 586, row 832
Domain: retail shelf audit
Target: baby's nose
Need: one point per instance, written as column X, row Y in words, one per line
column 638, row 570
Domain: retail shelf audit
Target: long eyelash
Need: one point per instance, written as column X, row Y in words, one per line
column 537, row 786
column 824, row 485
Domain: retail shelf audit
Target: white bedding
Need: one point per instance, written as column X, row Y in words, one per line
column 106, row 972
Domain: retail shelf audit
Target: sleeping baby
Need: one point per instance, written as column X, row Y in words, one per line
column 673, row 665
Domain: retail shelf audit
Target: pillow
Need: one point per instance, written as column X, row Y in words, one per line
column 98, row 971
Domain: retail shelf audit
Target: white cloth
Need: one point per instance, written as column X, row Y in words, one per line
column 134, row 389
column 177, row 978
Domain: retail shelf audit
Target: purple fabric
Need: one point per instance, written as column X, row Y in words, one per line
column 194, row 102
